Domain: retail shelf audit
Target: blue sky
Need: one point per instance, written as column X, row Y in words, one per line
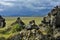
column 26, row 6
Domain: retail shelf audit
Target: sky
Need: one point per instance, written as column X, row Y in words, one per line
column 12, row 7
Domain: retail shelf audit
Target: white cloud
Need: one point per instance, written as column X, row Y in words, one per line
column 6, row 4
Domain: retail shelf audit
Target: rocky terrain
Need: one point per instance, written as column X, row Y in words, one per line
column 48, row 29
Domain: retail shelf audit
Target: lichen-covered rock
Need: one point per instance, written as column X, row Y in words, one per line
column 52, row 20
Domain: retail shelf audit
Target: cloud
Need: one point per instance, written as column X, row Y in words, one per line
column 39, row 4
column 30, row 4
column 8, row 0
column 1, row 9
column 6, row 4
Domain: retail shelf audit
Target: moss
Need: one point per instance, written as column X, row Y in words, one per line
column 10, row 31
column 2, row 38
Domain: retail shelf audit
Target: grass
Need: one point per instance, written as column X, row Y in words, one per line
column 7, row 31
column 26, row 20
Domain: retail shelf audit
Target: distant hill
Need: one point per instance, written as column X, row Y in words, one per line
column 24, row 12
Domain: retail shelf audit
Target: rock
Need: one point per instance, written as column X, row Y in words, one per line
column 32, row 25
column 52, row 21
column 2, row 22
column 58, row 38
